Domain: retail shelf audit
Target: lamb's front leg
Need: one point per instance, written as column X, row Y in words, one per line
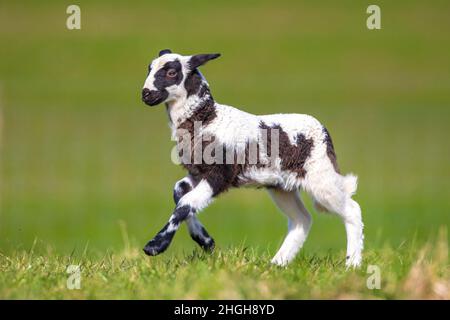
column 193, row 201
column 196, row 229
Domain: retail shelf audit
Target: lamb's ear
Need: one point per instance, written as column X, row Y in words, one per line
column 200, row 59
column 165, row 51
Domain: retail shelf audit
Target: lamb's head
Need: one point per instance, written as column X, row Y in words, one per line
column 167, row 74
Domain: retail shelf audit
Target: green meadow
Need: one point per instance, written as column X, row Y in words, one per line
column 86, row 175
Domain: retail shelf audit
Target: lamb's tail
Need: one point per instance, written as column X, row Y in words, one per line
column 350, row 184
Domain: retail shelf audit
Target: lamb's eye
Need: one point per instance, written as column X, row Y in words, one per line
column 171, row 73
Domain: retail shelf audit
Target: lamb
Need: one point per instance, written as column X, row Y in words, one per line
column 281, row 152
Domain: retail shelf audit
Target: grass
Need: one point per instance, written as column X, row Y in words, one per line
column 407, row 272
column 81, row 157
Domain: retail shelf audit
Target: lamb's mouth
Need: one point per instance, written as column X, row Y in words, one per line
column 154, row 102
column 153, row 98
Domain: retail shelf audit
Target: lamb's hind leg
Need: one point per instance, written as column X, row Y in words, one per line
column 335, row 196
column 299, row 223
column 196, row 230
column 354, row 228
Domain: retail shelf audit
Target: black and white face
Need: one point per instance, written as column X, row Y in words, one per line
column 166, row 76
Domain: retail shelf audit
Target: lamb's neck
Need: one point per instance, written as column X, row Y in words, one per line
column 196, row 107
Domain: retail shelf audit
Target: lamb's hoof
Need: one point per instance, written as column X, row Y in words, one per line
column 155, row 247
column 279, row 261
column 353, row 262
column 207, row 244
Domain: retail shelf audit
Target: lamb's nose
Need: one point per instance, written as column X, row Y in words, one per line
column 145, row 94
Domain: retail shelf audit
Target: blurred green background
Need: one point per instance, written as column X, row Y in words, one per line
column 82, row 158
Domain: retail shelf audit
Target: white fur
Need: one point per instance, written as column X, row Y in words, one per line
column 199, row 197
